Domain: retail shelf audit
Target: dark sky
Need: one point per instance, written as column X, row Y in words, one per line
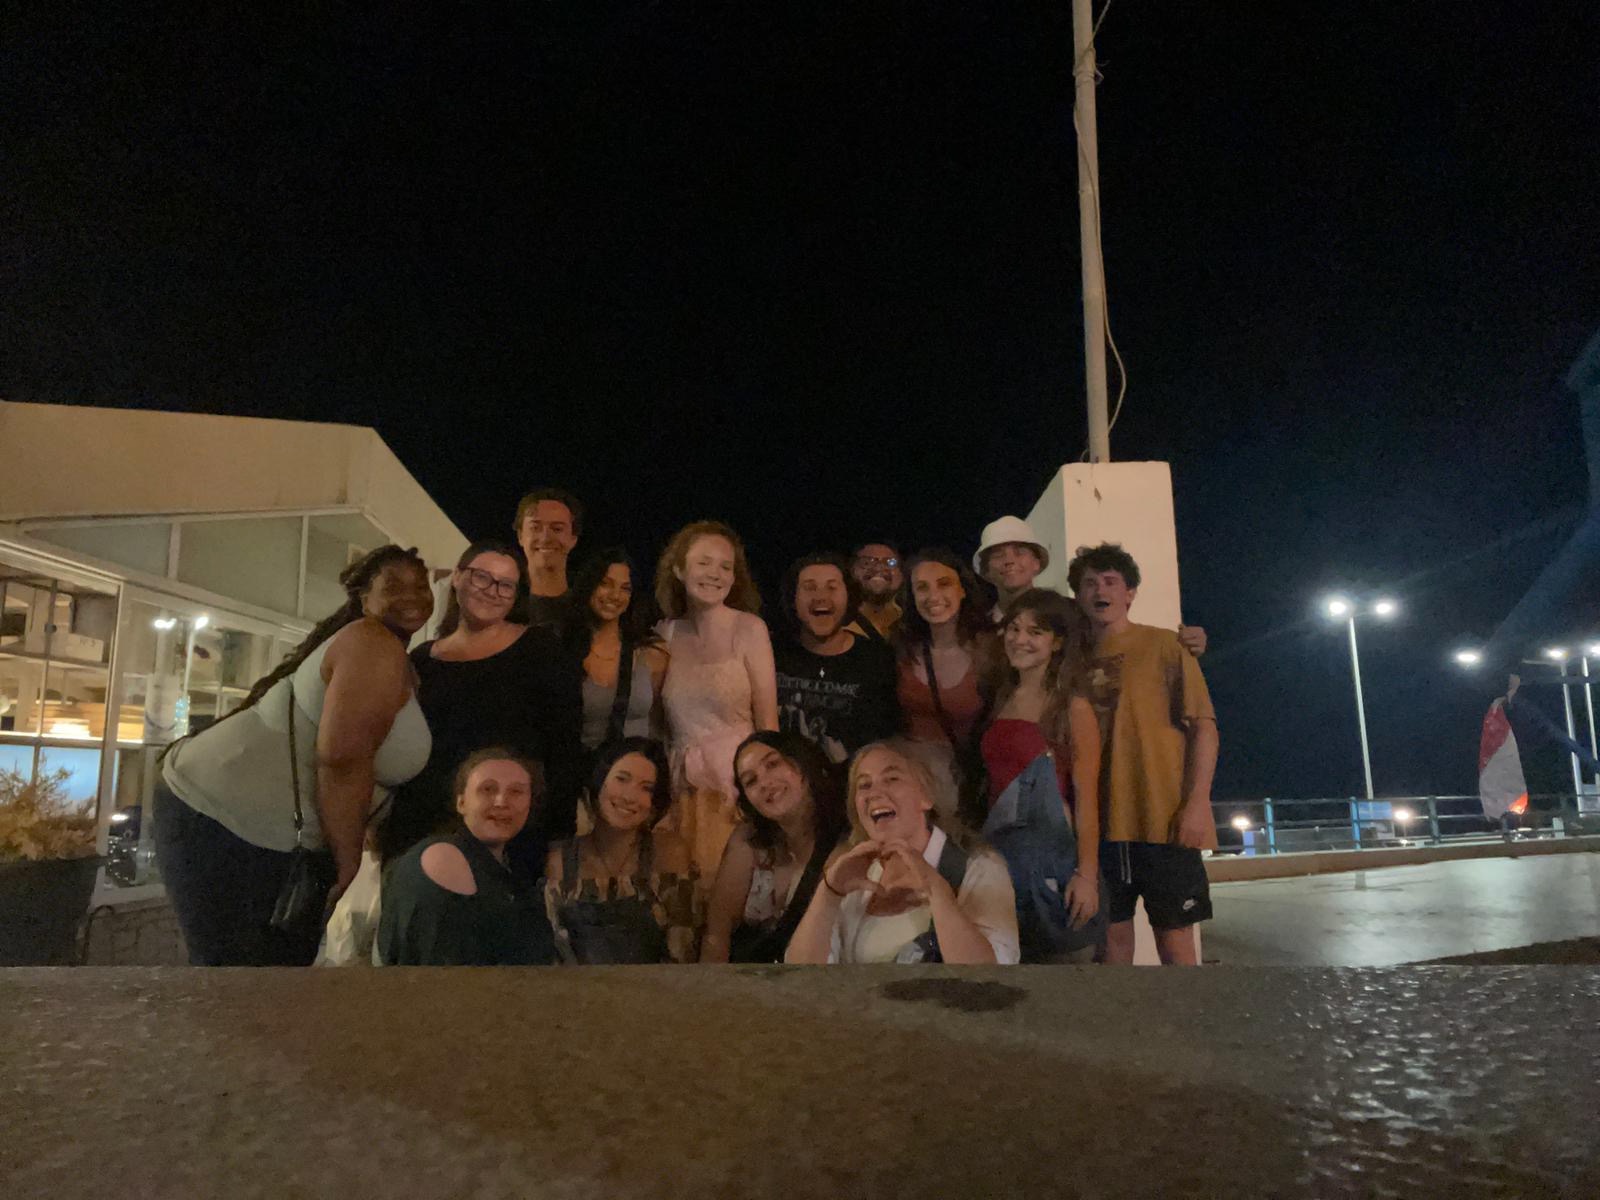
column 814, row 269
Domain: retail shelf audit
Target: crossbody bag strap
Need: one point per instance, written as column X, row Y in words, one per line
column 943, row 717
column 801, row 900
column 619, row 703
column 294, row 772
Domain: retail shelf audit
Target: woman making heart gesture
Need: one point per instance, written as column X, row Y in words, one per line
column 907, row 891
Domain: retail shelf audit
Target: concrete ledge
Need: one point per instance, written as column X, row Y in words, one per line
column 799, row 1083
column 1234, row 867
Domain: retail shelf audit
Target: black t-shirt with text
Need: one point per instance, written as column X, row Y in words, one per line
column 840, row 701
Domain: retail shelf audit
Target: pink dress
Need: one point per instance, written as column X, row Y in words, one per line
column 709, row 712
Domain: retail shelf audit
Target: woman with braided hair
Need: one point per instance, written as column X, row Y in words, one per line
column 226, row 800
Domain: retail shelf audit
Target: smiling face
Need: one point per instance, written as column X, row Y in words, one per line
column 821, row 600
column 707, row 570
column 613, row 593
column 890, row 797
column 486, row 587
column 877, row 570
column 1029, row 642
column 1012, row 566
column 1105, row 598
column 547, row 534
column 628, row 794
column 937, row 592
column 771, row 782
column 495, row 801
column 400, row 597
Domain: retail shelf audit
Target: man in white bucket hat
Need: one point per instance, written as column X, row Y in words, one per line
column 1010, row 556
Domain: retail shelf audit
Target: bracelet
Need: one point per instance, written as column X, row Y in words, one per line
column 830, row 886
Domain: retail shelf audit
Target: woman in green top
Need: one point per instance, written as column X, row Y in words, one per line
column 625, row 892
column 456, row 900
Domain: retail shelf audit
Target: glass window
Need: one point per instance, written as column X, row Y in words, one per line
column 256, row 560
column 141, row 546
column 332, row 544
column 55, row 651
column 180, row 672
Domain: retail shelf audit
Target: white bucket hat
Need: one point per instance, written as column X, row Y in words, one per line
column 1008, row 529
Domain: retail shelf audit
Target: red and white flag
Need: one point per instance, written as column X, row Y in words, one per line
column 1501, row 785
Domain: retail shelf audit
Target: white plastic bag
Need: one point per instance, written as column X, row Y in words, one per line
column 351, row 937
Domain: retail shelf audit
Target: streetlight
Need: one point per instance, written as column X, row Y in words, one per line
column 1469, row 658
column 1339, row 608
column 1241, row 823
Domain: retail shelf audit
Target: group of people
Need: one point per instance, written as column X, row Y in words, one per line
column 919, row 767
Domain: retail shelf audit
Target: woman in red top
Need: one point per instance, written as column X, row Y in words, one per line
column 1040, row 705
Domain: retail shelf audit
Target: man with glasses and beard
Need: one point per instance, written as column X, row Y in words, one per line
column 875, row 567
column 835, row 686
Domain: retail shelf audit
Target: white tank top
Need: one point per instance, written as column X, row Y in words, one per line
column 237, row 773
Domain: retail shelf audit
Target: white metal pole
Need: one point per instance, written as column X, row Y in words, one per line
column 1572, row 731
column 1361, row 708
column 1588, row 703
column 1094, row 294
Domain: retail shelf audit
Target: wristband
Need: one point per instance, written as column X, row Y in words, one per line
column 830, row 886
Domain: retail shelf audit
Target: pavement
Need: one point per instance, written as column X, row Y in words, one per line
column 796, row 1083
column 1405, row 914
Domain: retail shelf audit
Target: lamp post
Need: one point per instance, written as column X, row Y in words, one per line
column 1559, row 655
column 1339, row 608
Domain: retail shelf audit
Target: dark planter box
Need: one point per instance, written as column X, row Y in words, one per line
column 41, row 904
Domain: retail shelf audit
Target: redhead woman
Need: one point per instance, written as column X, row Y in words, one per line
column 721, row 685
column 789, row 797
column 908, row 890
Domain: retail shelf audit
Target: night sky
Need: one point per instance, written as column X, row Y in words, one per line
column 813, row 269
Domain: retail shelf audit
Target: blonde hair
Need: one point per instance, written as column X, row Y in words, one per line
column 923, row 773
column 669, row 588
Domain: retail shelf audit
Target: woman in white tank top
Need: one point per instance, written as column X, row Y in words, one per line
column 224, row 805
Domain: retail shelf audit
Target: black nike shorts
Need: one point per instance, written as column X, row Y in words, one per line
column 1171, row 879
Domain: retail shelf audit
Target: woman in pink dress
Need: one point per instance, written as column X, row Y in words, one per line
column 720, row 686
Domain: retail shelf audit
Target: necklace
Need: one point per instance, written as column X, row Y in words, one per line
column 614, row 871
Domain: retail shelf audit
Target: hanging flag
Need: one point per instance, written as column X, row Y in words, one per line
column 1501, row 784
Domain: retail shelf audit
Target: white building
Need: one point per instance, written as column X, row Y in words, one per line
column 152, row 566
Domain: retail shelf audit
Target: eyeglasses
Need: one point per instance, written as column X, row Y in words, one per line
column 872, row 560
column 486, row 583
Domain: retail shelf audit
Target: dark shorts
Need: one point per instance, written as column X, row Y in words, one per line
column 1171, row 879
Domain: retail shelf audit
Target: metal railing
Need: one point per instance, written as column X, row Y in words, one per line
column 1283, row 826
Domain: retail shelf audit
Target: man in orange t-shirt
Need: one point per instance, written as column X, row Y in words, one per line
column 1159, row 754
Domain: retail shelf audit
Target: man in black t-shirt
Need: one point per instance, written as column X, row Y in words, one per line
column 548, row 524
column 834, row 686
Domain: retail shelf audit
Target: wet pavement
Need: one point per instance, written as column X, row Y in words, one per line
column 1405, row 914
column 798, row 1083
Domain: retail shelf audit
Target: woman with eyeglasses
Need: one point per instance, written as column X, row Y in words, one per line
column 490, row 681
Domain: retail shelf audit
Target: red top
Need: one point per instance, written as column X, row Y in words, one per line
column 961, row 701
column 1009, row 745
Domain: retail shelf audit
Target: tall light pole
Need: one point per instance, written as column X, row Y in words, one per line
column 1559, row 654
column 1338, row 608
column 1094, row 291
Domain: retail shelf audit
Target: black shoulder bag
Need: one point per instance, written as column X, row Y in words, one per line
column 303, row 899
column 752, row 945
column 972, row 776
column 619, row 704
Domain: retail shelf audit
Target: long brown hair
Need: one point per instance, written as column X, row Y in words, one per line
column 972, row 618
column 1068, row 672
column 669, row 588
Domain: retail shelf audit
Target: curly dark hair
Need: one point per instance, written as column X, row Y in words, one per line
column 606, row 757
column 821, row 778
column 972, row 620
column 638, row 621
column 1107, row 556
column 452, row 606
column 791, row 585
